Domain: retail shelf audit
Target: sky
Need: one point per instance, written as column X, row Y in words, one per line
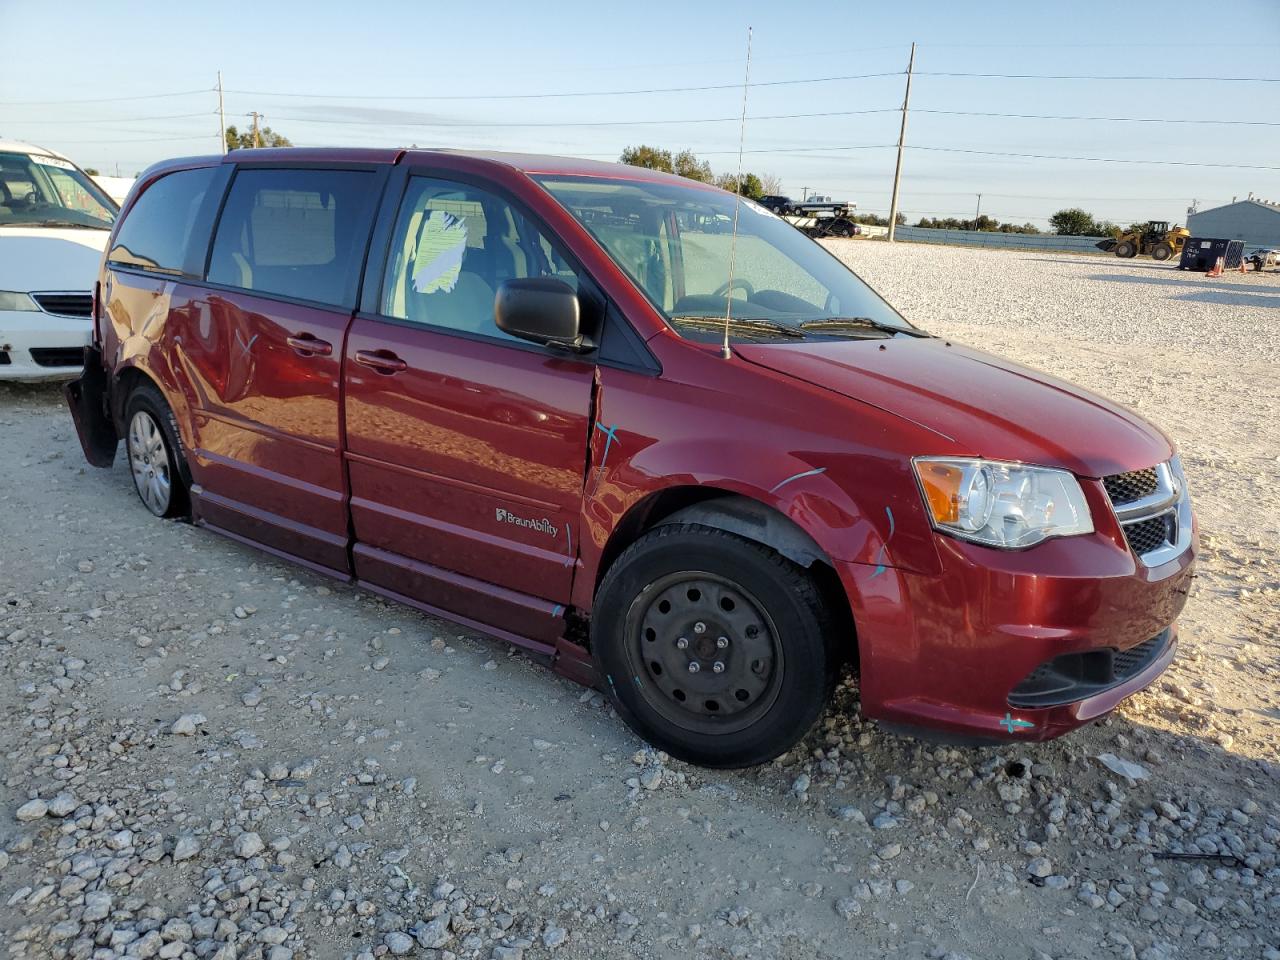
column 117, row 86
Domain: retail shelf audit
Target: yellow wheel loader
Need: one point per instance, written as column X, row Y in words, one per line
column 1155, row 239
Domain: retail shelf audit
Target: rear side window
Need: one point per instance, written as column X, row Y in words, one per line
column 294, row 233
column 155, row 234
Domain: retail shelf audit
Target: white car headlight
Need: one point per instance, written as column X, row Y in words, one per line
column 1002, row 504
column 16, row 301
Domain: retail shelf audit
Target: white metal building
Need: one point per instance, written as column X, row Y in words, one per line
column 1256, row 222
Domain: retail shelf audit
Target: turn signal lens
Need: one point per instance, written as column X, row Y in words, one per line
column 941, row 485
column 1002, row 504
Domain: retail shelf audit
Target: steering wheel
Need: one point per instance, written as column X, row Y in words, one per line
column 743, row 285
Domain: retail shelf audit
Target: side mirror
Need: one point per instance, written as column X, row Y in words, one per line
column 542, row 309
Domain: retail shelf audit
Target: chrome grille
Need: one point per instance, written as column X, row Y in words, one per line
column 1125, row 488
column 1150, row 534
column 65, row 304
column 1153, row 509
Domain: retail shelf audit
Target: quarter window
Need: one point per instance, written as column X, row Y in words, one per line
column 155, row 234
column 453, row 245
column 294, row 233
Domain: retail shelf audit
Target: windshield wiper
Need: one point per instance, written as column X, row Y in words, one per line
column 58, row 223
column 743, row 325
column 859, row 323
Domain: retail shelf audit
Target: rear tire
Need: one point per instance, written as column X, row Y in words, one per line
column 1161, row 251
column 714, row 647
column 154, row 454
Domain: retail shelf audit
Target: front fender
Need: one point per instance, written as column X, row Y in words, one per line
column 879, row 524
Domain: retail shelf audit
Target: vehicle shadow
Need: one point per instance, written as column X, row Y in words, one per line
column 1248, row 289
column 1091, row 260
column 38, row 393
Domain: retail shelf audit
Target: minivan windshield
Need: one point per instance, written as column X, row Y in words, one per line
column 43, row 191
column 676, row 243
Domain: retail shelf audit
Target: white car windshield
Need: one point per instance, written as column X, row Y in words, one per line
column 43, row 191
column 675, row 242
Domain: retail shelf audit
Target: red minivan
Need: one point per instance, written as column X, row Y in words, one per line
column 647, row 431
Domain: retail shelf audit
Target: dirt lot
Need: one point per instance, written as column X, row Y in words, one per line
column 209, row 753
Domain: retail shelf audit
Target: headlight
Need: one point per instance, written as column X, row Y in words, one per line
column 1002, row 504
column 16, row 301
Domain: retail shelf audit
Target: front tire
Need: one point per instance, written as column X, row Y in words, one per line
column 714, row 647
column 154, row 454
column 1126, row 250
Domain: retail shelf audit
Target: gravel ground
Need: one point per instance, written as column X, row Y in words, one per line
column 209, row 753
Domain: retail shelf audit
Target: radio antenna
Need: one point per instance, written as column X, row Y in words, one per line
column 737, row 206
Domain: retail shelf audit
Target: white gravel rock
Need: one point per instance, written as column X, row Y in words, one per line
column 187, row 724
column 248, row 844
column 32, row 810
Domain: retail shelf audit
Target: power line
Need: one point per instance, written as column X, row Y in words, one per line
column 170, row 116
column 1046, row 116
column 204, row 136
column 581, row 123
column 1045, row 156
column 630, row 123
column 712, row 153
column 148, row 96
column 576, row 93
column 1068, row 76
column 1042, row 196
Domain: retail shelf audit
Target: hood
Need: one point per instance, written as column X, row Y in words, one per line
column 50, row 258
column 987, row 406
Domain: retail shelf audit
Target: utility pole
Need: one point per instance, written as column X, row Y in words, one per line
column 222, row 117
column 902, row 136
column 804, row 194
column 256, row 117
column 977, row 214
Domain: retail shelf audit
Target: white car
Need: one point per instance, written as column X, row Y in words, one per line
column 54, row 224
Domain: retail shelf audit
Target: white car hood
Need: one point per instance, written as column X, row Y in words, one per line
column 50, row 258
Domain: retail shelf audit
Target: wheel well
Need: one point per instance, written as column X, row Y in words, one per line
column 746, row 518
column 125, row 383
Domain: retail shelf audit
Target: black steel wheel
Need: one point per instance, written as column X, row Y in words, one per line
column 713, row 647
column 710, row 653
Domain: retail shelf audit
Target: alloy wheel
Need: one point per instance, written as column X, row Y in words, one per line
column 149, row 461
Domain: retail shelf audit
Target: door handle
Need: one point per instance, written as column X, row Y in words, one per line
column 308, row 346
column 383, row 361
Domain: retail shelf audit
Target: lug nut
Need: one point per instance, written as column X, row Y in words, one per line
column 722, row 643
column 693, row 667
column 717, row 667
column 682, row 643
column 699, row 627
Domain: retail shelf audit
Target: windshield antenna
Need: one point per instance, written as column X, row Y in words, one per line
column 737, row 205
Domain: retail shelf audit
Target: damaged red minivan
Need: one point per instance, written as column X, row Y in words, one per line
column 500, row 388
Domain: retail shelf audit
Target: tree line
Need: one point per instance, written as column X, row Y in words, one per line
column 686, row 164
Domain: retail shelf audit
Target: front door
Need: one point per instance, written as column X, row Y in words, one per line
column 466, row 447
column 262, row 350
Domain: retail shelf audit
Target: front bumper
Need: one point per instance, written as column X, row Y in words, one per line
column 40, row 346
column 987, row 649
